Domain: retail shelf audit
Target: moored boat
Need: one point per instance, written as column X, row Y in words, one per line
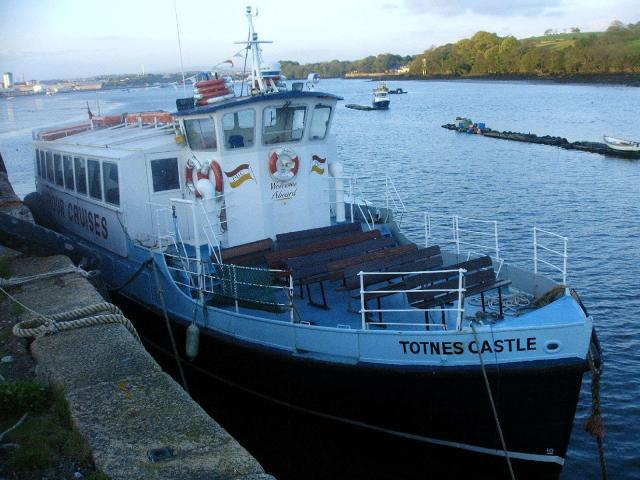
column 381, row 96
column 621, row 145
column 235, row 219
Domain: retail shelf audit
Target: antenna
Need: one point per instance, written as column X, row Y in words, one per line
column 184, row 87
column 253, row 48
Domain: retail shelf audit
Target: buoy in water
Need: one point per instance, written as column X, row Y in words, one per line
column 192, row 341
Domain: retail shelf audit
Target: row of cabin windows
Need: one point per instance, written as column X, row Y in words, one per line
column 84, row 176
column 279, row 125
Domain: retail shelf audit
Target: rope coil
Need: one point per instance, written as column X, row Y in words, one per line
column 92, row 315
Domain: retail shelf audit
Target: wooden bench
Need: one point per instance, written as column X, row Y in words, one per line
column 479, row 278
column 313, row 268
column 278, row 258
column 252, row 253
column 302, row 237
column 420, row 259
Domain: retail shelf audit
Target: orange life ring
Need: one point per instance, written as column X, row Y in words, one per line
column 216, row 172
column 283, row 164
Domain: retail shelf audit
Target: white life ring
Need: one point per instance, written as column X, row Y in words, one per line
column 283, row 164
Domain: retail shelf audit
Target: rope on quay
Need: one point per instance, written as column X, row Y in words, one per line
column 595, row 423
column 493, row 406
column 98, row 314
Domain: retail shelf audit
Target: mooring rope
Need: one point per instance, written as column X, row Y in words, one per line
column 98, row 314
column 595, row 423
column 10, row 282
column 493, row 405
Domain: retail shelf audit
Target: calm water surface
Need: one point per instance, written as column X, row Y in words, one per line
column 594, row 200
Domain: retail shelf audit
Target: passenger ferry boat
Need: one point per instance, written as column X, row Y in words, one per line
column 381, row 96
column 235, row 218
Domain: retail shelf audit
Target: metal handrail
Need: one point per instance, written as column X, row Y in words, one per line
column 460, row 290
column 563, row 254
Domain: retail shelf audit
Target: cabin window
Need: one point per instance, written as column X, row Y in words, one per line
column 67, row 167
column 81, row 175
column 95, row 185
column 57, row 169
column 239, row 128
column 111, row 186
column 164, row 173
column 43, row 165
column 201, row 134
column 283, row 124
column 50, row 167
column 38, row 166
column 320, row 122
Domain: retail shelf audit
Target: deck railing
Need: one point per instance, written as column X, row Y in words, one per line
column 249, row 286
column 467, row 235
column 551, row 251
column 458, row 309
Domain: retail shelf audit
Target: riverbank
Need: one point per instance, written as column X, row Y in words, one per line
column 624, row 79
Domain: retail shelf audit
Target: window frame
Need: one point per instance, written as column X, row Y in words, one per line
column 328, row 125
column 71, row 188
column 304, row 123
column 43, row 165
column 224, row 136
column 56, row 171
column 89, row 182
column 104, row 180
column 215, row 133
column 153, row 185
column 49, row 165
column 38, row 166
column 76, row 175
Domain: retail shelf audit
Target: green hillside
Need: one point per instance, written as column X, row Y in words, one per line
column 616, row 51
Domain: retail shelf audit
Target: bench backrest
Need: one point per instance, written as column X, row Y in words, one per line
column 276, row 259
column 316, row 263
column 248, row 252
column 389, row 263
column 294, row 239
column 338, row 266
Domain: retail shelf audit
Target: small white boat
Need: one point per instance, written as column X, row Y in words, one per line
column 621, row 145
column 381, row 96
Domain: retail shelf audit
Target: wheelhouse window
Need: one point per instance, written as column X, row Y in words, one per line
column 57, row 169
column 81, row 175
column 239, row 129
column 201, row 134
column 110, row 183
column 320, row 122
column 95, row 187
column 43, row 165
column 164, row 173
column 67, row 167
column 38, row 166
column 49, row 167
column 283, row 124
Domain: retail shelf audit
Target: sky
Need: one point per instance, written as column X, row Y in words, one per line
column 44, row 39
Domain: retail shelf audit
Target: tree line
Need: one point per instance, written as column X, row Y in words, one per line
column 617, row 50
column 385, row 62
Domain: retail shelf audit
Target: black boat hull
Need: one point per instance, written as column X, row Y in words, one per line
column 317, row 419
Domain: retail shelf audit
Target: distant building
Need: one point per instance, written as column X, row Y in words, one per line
column 7, row 80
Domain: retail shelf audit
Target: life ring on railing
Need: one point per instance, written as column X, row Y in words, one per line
column 283, row 164
column 210, row 83
column 190, row 181
column 215, row 176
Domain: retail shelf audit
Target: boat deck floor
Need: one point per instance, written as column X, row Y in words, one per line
column 343, row 311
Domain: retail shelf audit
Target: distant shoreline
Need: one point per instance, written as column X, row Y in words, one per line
column 624, row 79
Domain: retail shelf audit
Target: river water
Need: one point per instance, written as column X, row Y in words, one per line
column 591, row 199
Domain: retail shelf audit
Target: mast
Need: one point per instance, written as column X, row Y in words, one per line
column 253, row 45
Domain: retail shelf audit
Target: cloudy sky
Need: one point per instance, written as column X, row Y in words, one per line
column 71, row 38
